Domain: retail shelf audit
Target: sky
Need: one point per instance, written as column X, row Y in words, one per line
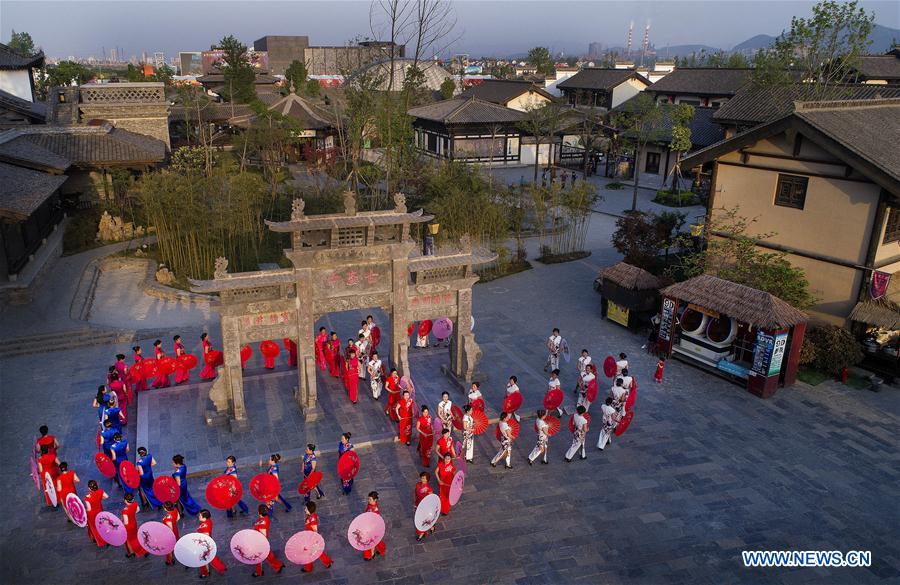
column 83, row 29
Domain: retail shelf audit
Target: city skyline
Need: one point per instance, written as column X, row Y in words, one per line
column 171, row 27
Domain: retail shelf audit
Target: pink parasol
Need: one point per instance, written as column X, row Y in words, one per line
column 166, row 489
column 76, row 510
column 224, row 492
column 195, row 550
column 366, row 531
column 50, row 489
column 427, row 512
column 437, row 426
column 456, row 487
column 111, row 528
column 442, row 328
column 265, row 487
column 304, row 547
column 156, row 538
column 406, row 383
column 249, row 546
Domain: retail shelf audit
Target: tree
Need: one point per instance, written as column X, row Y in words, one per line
column 731, row 252
column 682, row 115
column 640, row 236
column 502, row 71
column 830, row 349
column 65, row 73
column 823, row 50
column 540, row 58
column 296, row 75
column 164, row 74
column 21, row 43
column 133, row 73
column 541, row 122
column 448, row 88
column 237, row 71
column 639, row 126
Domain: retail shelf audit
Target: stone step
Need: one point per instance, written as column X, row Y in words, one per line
column 66, row 340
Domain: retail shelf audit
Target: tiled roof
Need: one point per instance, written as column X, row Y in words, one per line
column 34, row 110
column 462, row 110
column 704, row 130
column 599, row 79
column 702, row 81
column 24, row 152
column 501, row 91
column 81, row 145
column 756, row 105
column 10, row 59
column 300, row 110
column 24, row 190
column 885, row 67
column 212, row 112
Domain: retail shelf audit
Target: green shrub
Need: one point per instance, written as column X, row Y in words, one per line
column 614, row 186
column 674, row 198
column 833, row 349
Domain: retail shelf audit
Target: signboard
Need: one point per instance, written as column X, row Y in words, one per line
column 762, row 353
column 259, row 60
column 356, row 279
column 667, row 320
column 778, row 354
column 617, row 313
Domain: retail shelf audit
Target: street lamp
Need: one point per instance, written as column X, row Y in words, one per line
column 428, row 240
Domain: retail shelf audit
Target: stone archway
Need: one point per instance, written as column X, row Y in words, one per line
column 344, row 261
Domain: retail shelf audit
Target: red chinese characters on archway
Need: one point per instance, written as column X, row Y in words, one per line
column 352, row 278
column 276, row 318
column 433, row 300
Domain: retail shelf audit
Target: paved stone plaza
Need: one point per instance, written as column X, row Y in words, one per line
column 705, row 471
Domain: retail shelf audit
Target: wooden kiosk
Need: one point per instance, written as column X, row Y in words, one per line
column 629, row 295
column 741, row 333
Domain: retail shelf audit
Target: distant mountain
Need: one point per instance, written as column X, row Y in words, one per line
column 754, row 44
column 683, row 50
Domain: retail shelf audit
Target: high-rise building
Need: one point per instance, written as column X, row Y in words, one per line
column 595, row 50
column 282, row 50
column 159, row 59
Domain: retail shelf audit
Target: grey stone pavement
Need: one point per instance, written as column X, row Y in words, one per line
column 706, row 469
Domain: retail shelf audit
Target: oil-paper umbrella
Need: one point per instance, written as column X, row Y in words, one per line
column 156, row 538
column 457, row 417
column 348, row 465
column 624, row 423
column 460, row 456
column 304, row 547
column 512, row 402
column 409, row 330
column 105, row 465
column 609, row 366
column 478, row 404
column 425, row 327
column 456, row 487
column 246, row 352
column 586, row 416
column 265, row 487
column 36, row 476
column 309, row 483
column 366, row 531
column 213, row 358
column 166, row 365
column 553, row 398
column 50, row 489
column 442, row 328
column 195, row 550
column 187, row 361
column 632, row 397
column 553, row 425
column 111, row 528
column 148, row 367
column 428, row 512
column 224, row 492
column 76, row 510
column 376, row 336
column 437, row 426
column 166, row 489
column 406, row 383
column 249, row 546
column 129, row 475
column 513, row 428
column 564, row 346
column 481, row 421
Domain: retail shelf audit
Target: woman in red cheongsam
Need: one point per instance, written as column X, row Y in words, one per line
column 445, row 472
column 208, row 372
column 93, row 501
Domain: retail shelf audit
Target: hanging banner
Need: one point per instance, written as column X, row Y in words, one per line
column 880, row 283
column 667, row 318
column 762, row 353
column 777, row 354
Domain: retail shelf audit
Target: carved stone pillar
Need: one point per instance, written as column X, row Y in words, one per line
column 232, row 374
column 463, row 319
column 306, row 360
column 400, row 315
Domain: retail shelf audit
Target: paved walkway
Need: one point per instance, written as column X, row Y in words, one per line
column 705, row 471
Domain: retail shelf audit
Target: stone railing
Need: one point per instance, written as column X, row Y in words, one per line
column 124, row 93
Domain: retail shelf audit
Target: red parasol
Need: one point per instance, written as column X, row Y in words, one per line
column 348, row 465
column 166, row 489
column 457, row 417
column 187, row 361
column 481, row 421
column 213, row 358
column 586, row 416
column 224, row 492
column 513, row 428
column 409, row 330
column 148, row 368
column 246, row 352
column 309, row 483
column 632, row 397
column 591, row 392
column 553, row 425
column 376, row 336
column 105, row 465
column 265, row 487
column 624, row 423
column 166, row 365
column 553, row 398
column 134, row 374
column 288, row 343
column 269, row 348
column 609, row 366
column 512, row 402
column 478, row 404
column 129, row 474
column 425, row 327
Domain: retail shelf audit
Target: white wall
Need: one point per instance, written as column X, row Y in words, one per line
column 626, row 90
column 17, row 83
column 527, row 101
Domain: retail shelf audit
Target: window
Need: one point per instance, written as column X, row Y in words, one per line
column 791, row 191
column 652, row 164
column 432, row 142
column 892, row 229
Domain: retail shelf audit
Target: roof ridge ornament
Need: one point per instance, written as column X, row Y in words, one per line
column 297, row 207
column 349, row 203
column 221, row 268
column 399, row 202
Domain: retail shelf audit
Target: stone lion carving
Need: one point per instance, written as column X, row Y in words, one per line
column 221, row 268
column 349, row 203
column 297, row 209
column 399, row 202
